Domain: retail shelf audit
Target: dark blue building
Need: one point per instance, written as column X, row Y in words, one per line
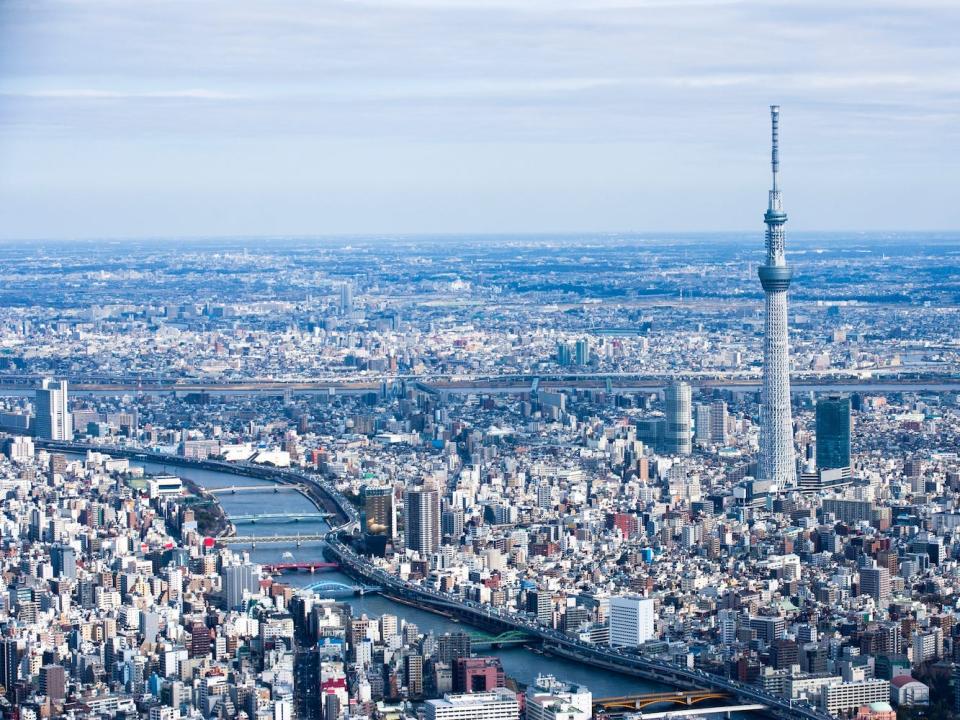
column 833, row 432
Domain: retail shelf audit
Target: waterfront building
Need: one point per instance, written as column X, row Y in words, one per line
column 500, row 704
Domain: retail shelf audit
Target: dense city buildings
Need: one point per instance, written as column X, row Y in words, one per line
column 429, row 444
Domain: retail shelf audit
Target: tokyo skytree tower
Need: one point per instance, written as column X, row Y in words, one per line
column 776, row 424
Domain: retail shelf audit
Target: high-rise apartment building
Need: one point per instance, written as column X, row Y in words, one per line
column 54, row 421
column 346, row 298
column 776, row 417
column 582, row 352
column 702, row 423
column 718, row 422
column 631, row 620
column 238, row 581
column 677, row 436
column 833, row 432
column 421, row 519
column 875, row 582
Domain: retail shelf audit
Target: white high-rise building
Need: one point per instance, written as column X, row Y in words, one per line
column 679, row 416
column 500, row 704
column 776, row 419
column 54, row 421
column 631, row 620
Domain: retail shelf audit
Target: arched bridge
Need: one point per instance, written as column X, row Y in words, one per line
column 645, row 700
column 334, row 589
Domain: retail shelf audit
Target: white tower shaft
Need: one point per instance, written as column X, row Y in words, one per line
column 776, row 422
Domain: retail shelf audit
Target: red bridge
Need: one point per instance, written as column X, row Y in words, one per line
column 311, row 566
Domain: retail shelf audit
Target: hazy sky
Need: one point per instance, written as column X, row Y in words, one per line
column 277, row 117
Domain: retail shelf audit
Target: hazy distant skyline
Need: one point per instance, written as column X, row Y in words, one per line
column 181, row 118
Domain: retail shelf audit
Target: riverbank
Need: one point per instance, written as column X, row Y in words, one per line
column 212, row 520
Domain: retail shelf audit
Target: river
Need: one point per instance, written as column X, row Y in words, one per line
column 519, row 663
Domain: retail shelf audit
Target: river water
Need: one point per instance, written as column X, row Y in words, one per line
column 519, row 663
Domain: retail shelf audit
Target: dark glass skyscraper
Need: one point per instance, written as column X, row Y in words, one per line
column 833, row 432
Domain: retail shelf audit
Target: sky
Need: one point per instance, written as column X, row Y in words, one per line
column 186, row 118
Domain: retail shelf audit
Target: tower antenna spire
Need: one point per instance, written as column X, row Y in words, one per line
column 775, row 143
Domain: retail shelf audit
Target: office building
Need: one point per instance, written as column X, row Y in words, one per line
column 477, row 674
column 380, row 512
column 631, row 620
column 501, row 704
column 64, row 561
column 540, row 604
column 421, row 508
column 833, row 432
column 776, row 418
column 54, row 421
column 9, row 664
column 677, row 436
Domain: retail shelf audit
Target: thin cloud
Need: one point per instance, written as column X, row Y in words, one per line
column 106, row 94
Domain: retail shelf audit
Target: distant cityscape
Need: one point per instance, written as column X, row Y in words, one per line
column 482, row 478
